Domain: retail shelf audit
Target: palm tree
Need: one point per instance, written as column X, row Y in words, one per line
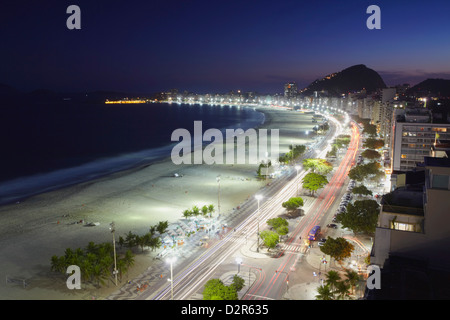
column 141, row 241
column 122, row 268
column 98, row 274
column 204, row 210
column 187, row 213
column 352, row 278
column 324, row 293
column 130, row 239
column 69, row 256
column 129, row 258
column 91, row 247
column 332, row 279
column 211, row 210
column 162, row 226
column 195, row 211
column 58, row 264
column 154, row 242
column 342, row 290
column 87, row 266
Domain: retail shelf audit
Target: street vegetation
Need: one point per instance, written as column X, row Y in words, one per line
column 96, row 261
column 215, row 289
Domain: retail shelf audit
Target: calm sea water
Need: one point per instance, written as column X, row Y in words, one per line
column 48, row 146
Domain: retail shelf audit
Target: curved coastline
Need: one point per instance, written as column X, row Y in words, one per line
column 22, row 188
column 45, row 224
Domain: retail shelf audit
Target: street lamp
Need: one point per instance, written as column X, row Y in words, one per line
column 258, row 198
column 292, row 151
column 297, row 168
column 239, row 262
column 113, row 230
column 171, row 261
column 218, row 195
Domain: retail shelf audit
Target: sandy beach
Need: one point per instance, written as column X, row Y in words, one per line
column 34, row 230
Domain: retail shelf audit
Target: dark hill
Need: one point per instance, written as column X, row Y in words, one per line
column 439, row 87
column 352, row 79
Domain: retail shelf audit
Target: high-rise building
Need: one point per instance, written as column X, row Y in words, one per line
column 290, row 90
column 414, row 135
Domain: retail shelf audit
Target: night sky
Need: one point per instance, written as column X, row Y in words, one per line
column 215, row 45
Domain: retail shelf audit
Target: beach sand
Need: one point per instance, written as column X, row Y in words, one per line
column 34, row 230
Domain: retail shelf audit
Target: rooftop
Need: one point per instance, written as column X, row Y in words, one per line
column 436, row 162
column 404, row 200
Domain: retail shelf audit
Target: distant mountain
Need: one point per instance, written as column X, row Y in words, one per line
column 352, row 79
column 439, row 87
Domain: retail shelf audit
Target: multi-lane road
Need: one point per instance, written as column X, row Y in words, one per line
column 271, row 279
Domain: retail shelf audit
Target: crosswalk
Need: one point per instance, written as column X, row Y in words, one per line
column 294, row 247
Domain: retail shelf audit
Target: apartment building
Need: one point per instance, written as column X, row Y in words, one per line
column 414, row 228
column 414, row 134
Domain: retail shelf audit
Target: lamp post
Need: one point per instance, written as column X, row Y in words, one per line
column 258, row 198
column 171, row 261
column 292, row 151
column 218, row 195
column 239, row 262
column 113, row 230
column 297, row 168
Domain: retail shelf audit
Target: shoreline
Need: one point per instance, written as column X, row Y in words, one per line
column 100, row 175
column 42, row 226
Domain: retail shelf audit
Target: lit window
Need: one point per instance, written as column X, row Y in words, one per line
column 403, row 226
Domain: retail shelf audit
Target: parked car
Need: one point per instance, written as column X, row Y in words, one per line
column 332, row 225
column 321, row 244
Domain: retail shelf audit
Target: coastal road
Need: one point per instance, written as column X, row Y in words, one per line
column 318, row 214
column 187, row 281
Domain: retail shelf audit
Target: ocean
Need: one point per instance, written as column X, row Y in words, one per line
column 49, row 146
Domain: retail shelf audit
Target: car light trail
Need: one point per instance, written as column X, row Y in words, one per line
column 326, row 199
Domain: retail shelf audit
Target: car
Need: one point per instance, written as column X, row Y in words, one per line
column 323, row 240
column 321, row 244
column 332, row 225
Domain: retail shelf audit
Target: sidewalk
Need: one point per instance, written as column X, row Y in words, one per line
column 302, row 291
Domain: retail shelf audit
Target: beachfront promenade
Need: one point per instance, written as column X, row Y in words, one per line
column 189, row 252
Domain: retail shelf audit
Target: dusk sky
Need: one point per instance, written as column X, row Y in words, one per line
column 217, row 46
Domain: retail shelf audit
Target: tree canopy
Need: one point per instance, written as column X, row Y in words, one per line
column 314, row 181
column 320, row 166
column 370, row 129
column 215, row 289
column 360, row 216
column 371, row 154
column 270, row 238
column 338, row 248
column 293, row 204
column 370, row 170
column 342, row 141
column 295, row 152
column 372, row 143
column 361, row 190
